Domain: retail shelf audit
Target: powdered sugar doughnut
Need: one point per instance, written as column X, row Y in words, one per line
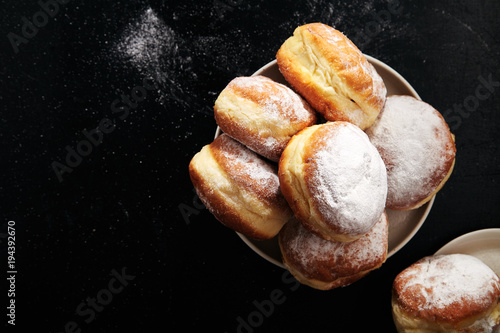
column 323, row 264
column 239, row 188
column 447, row 293
column 334, row 180
column 418, row 150
column 332, row 74
column 262, row 114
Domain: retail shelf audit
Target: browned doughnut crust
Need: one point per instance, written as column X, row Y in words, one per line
column 334, row 180
column 262, row 114
column 323, row 264
column 239, row 188
column 332, row 74
column 446, row 293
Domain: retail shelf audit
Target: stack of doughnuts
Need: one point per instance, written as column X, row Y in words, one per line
column 236, row 176
column 334, row 180
column 336, row 184
column 317, row 161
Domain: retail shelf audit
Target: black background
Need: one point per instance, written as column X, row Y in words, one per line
column 121, row 206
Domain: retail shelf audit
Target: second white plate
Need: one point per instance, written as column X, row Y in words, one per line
column 483, row 244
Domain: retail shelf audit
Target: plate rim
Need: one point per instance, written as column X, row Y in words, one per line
column 429, row 204
column 396, row 73
column 260, row 252
column 467, row 236
column 409, row 237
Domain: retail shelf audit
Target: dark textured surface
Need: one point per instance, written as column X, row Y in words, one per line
column 120, row 207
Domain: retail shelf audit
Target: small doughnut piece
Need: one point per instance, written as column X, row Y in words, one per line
column 446, row 293
column 332, row 74
column 334, row 180
column 322, row 264
column 262, row 114
column 239, row 188
column 418, row 150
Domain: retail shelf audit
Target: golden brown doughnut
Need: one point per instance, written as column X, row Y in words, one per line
column 262, row 114
column 334, row 180
column 239, row 188
column 332, row 74
column 453, row 293
column 323, row 264
column 418, row 150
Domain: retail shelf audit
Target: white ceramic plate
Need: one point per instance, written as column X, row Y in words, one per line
column 483, row 244
column 403, row 225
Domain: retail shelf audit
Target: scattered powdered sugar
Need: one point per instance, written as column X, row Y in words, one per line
column 145, row 41
column 443, row 280
column 153, row 48
column 413, row 140
column 349, row 181
column 272, row 144
column 336, row 14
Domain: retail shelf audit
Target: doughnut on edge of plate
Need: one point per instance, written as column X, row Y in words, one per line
column 240, row 188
